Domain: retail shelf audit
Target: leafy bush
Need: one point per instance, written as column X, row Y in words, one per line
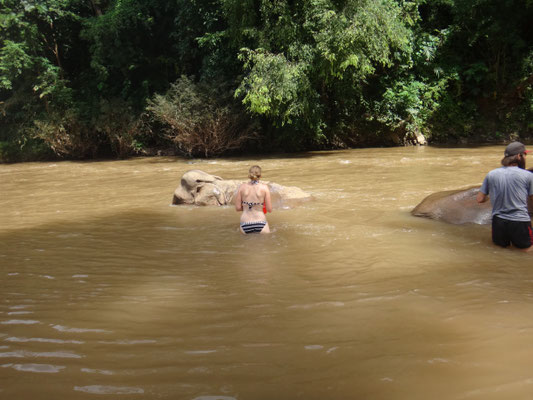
column 29, row 150
column 200, row 119
column 66, row 135
column 9, row 152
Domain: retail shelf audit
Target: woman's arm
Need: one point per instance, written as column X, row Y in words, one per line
column 238, row 200
column 268, row 201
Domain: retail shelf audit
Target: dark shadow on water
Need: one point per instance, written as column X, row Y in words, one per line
column 399, row 341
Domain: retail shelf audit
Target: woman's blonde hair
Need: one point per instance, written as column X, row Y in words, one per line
column 254, row 173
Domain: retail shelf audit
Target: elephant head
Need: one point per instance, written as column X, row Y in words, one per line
column 199, row 188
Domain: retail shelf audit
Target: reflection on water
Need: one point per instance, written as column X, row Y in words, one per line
column 107, row 290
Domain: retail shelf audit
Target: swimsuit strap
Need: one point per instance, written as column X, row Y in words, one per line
column 250, row 204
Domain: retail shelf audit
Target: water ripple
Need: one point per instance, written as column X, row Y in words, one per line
column 24, row 354
column 214, row 398
column 128, row 342
column 42, row 340
column 62, row 328
column 40, row 368
column 200, row 351
column 313, row 305
column 97, row 371
column 100, row 389
column 20, row 322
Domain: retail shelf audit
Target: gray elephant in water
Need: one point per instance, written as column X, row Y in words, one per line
column 458, row 207
column 455, row 207
column 202, row 189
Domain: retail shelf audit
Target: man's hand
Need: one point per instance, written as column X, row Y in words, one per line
column 481, row 197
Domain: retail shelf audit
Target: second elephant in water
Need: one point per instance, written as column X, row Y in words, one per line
column 458, row 207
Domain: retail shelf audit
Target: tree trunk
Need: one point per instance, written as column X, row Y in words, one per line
column 96, row 9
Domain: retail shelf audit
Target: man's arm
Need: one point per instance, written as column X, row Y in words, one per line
column 481, row 197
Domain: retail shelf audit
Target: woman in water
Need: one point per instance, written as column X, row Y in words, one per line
column 253, row 199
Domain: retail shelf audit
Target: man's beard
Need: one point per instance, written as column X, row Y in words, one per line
column 521, row 162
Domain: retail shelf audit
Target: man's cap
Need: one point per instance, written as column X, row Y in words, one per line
column 515, row 148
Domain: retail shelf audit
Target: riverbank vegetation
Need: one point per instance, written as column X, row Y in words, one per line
column 114, row 78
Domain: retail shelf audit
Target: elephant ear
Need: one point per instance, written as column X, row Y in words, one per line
column 209, row 194
column 220, row 196
column 209, row 180
column 217, row 192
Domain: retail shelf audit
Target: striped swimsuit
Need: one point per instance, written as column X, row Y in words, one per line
column 253, row 227
column 256, row 226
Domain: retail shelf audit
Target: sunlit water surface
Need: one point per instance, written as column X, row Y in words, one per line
column 109, row 292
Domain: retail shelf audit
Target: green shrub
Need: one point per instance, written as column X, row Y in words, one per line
column 66, row 134
column 31, row 150
column 201, row 120
column 9, row 152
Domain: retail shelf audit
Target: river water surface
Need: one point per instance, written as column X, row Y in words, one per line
column 109, row 292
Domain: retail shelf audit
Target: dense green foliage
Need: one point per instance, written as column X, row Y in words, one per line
column 86, row 78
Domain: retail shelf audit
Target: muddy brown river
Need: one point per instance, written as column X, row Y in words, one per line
column 109, row 292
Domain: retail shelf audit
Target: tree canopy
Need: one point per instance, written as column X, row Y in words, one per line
column 85, row 78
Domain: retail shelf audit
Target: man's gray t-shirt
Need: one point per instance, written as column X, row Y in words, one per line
column 508, row 189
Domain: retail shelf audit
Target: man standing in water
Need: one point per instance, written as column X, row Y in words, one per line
column 509, row 188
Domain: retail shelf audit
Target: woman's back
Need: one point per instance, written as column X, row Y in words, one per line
column 253, row 199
